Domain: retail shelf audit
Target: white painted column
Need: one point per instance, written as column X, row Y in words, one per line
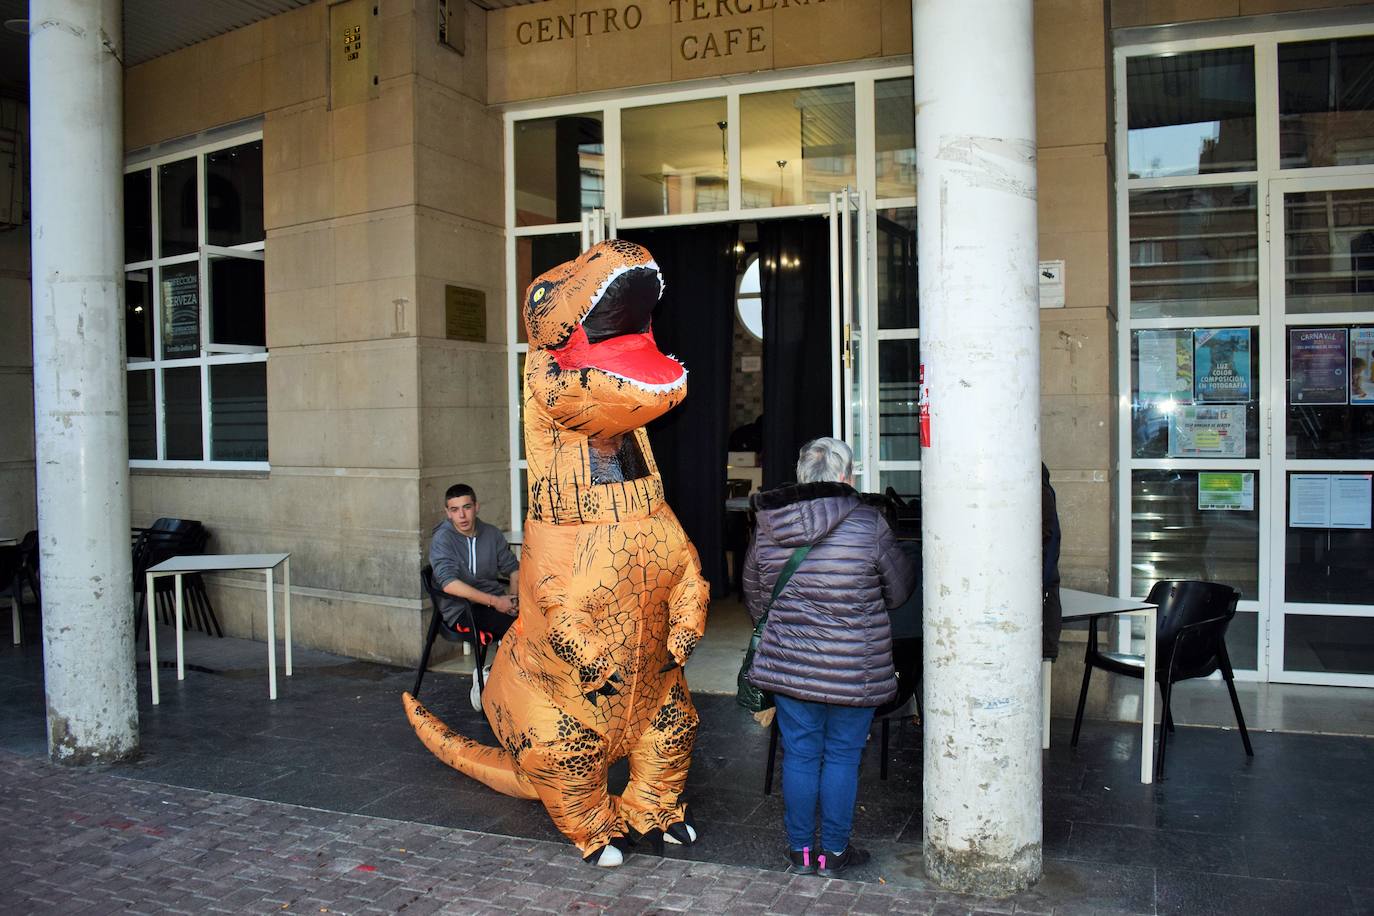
column 980, row 476
column 75, row 80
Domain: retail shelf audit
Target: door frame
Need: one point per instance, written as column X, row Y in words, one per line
column 1278, row 464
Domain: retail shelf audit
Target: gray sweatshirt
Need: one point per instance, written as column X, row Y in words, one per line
column 481, row 561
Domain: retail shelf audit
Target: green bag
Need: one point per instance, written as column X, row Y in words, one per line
column 746, row 694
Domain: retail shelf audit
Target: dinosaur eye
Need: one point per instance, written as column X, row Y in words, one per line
column 541, row 292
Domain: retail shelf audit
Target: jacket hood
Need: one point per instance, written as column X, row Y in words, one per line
column 804, row 513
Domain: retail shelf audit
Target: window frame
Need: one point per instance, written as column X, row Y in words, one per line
column 210, row 354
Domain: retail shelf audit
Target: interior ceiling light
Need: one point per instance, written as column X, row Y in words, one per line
column 19, row 26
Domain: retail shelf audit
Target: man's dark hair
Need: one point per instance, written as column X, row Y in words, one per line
column 458, row 491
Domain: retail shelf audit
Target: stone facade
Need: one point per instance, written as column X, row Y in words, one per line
column 373, row 208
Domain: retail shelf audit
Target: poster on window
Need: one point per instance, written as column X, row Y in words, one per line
column 1211, row 431
column 180, row 313
column 1226, row 491
column 1166, row 366
column 1317, row 367
column 1221, row 365
column 1329, row 500
column 1362, row 366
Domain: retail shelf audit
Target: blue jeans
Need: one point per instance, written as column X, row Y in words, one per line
column 821, row 744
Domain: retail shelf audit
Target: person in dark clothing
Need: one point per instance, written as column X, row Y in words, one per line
column 1050, row 537
column 473, row 565
column 826, row 650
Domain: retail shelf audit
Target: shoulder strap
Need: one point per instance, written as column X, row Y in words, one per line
column 794, row 561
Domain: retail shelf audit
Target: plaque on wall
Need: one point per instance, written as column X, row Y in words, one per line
column 465, row 314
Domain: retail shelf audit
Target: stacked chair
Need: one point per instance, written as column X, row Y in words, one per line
column 18, row 569
column 164, row 539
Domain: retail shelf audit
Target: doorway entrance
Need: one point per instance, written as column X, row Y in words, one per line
column 812, row 180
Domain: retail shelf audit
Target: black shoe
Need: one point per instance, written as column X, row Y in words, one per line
column 801, row 862
column 831, row 864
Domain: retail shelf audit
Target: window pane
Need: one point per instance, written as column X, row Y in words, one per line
column 896, row 252
column 1191, row 114
column 138, row 314
column 176, row 188
column 233, row 195
column 1173, row 537
column 797, row 145
column 535, row 254
column 675, row 158
column 181, row 405
column 1330, row 392
column 180, row 311
column 906, row 483
column 895, row 110
column 1328, row 565
column 1328, row 239
column 142, row 417
column 238, row 412
column 559, row 169
column 138, row 216
column 1326, row 101
column 1242, row 641
column 1195, row 393
column 237, row 315
column 898, row 372
column 1342, row 645
column 1194, row 252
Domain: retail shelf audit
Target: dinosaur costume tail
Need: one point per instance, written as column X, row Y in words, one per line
column 492, row 766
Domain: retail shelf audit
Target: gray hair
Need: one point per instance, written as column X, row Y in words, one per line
column 824, row 459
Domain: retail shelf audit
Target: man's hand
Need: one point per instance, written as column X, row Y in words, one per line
column 504, row 603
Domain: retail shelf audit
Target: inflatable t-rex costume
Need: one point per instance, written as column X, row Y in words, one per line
column 612, row 601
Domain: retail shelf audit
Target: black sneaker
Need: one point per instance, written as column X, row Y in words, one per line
column 801, row 861
column 831, row 864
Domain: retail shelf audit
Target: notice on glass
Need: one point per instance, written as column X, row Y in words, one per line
column 1362, row 366
column 1317, row 366
column 1329, row 500
column 1221, row 362
column 180, row 314
column 1226, row 491
column 1210, row 430
column 1166, row 366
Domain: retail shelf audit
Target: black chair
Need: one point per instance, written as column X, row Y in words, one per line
column 1190, row 642
column 164, row 539
column 19, row 568
column 465, row 630
column 906, row 658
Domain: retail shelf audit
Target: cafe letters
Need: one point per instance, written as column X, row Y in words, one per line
column 717, row 35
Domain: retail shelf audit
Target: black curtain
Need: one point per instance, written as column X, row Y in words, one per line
column 695, row 322
column 794, row 274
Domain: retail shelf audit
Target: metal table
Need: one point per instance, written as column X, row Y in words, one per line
column 181, row 566
column 1085, row 605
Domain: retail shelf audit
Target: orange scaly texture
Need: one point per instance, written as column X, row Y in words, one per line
column 609, row 585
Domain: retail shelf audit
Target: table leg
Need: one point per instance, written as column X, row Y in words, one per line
column 1147, row 710
column 271, row 640
column 1045, row 671
column 286, row 590
column 149, row 596
column 181, row 648
column 14, row 609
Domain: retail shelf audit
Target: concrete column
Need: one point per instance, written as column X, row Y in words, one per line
column 980, row 474
column 82, row 447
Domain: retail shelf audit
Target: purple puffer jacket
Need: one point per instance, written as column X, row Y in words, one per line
column 828, row 638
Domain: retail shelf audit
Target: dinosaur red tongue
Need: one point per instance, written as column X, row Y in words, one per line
column 632, row 356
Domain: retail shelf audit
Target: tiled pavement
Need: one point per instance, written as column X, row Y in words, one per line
column 280, row 802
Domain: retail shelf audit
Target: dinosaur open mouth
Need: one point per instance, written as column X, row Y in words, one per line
column 616, row 335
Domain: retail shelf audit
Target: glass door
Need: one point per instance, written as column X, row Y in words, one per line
column 1321, row 626
column 852, row 296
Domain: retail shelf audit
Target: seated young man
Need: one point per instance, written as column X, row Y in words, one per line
column 471, row 559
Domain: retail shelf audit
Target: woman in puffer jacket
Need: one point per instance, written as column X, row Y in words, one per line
column 826, row 651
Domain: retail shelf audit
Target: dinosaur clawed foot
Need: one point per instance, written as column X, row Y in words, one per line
column 610, row 855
